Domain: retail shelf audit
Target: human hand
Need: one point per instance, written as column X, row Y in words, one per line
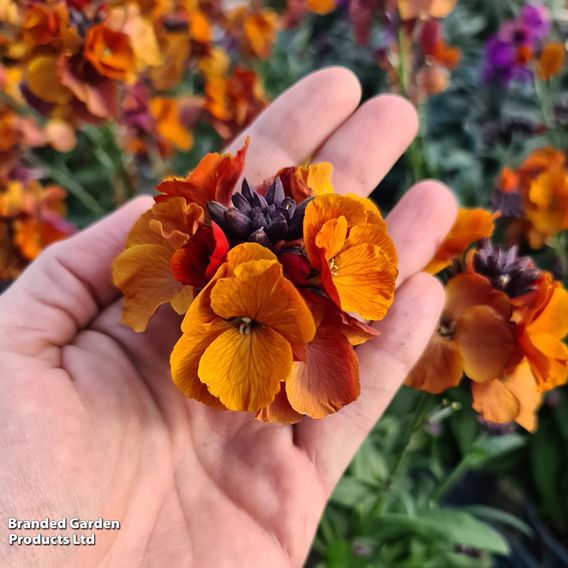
column 92, row 426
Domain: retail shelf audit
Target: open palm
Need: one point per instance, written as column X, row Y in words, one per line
column 92, row 426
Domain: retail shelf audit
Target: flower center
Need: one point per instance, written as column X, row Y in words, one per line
column 245, row 325
column 333, row 267
column 446, row 328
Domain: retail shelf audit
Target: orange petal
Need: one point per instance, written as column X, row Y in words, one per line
column 486, row 341
column 411, row 9
column 259, row 291
column 143, row 274
column 185, row 357
column 375, row 234
column 246, row 252
column 172, row 218
column 331, row 236
column 279, row 410
column 365, row 281
column 239, row 369
column 214, row 178
column 324, row 208
column 495, row 402
column 551, row 61
column 471, row 225
column 439, row 368
column 467, row 290
column 374, row 216
column 328, row 379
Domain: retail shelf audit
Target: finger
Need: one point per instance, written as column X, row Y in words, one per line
column 298, row 122
column 368, row 145
column 384, row 364
column 71, row 280
column 419, row 223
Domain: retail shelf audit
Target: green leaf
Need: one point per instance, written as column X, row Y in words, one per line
column 453, row 526
column 498, row 516
column 488, row 449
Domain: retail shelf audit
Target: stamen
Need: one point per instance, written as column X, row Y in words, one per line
column 245, row 325
column 333, row 267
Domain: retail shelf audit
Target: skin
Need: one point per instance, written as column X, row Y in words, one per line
column 91, row 426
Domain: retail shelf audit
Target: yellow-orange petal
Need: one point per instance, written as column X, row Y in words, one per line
column 246, row 252
column 329, row 377
column 495, row 402
column 240, row 370
column 439, row 368
column 374, row 216
column 364, row 278
column 513, row 398
column 144, row 276
column 279, row 411
column 324, row 208
column 259, row 291
column 185, row 357
column 321, row 7
column 375, row 234
column 331, row 236
column 471, row 225
column 551, row 61
column 486, row 341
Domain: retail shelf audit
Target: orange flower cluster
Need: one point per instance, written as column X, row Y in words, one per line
column 540, row 186
column 85, row 61
column 270, row 280
column 31, row 217
column 502, row 327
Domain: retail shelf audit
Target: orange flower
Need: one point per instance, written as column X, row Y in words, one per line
column 474, row 337
column 246, row 318
column 410, row 9
column 346, row 240
column 321, row 7
column 48, row 26
column 111, row 53
column 509, row 180
column 166, row 113
column 233, row 102
column 551, row 61
column 258, row 30
column 213, row 179
column 143, row 270
column 174, row 47
column 514, row 398
column 471, row 225
column 541, row 331
column 327, row 378
column 547, row 206
column 302, row 182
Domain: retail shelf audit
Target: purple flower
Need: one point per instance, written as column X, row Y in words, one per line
column 499, row 61
column 537, row 19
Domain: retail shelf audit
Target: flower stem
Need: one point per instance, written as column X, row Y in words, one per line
column 420, row 412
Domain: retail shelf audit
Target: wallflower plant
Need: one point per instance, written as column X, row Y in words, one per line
column 275, row 283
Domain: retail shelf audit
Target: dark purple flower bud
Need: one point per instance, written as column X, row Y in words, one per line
column 505, row 270
column 238, row 223
column 258, row 220
column 259, row 236
column 259, row 201
column 509, row 203
column 277, row 228
column 275, row 193
column 241, row 203
column 217, row 213
column 247, row 191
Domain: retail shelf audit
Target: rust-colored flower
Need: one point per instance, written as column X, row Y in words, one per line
column 471, row 225
column 249, row 316
column 213, row 179
column 48, row 25
column 541, row 331
column 513, row 398
column 111, row 53
column 346, row 240
column 474, row 336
